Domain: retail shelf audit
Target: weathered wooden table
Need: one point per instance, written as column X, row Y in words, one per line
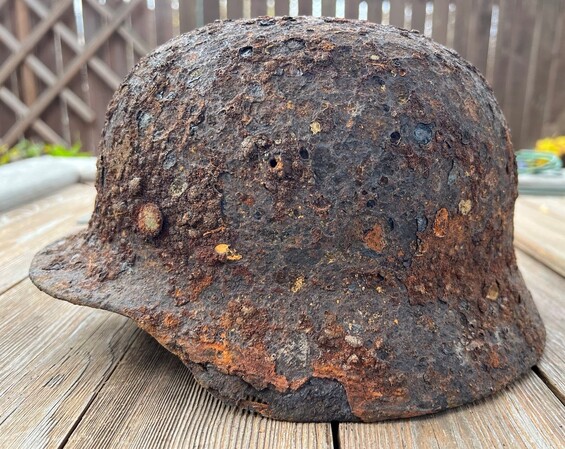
column 73, row 377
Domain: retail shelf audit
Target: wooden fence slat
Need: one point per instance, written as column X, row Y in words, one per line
column 554, row 114
column 397, row 13
column 235, row 9
column 419, row 15
column 352, row 9
column 506, row 14
column 440, row 21
column 211, row 10
column 187, row 15
column 117, row 53
column 305, row 7
column 29, row 88
column 29, row 44
column 164, row 21
column 282, row 7
column 258, row 8
column 462, row 13
column 74, row 66
column 521, row 48
column 375, row 11
column 82, row 109
column 544, row 46
column 328, row 8
column 479, row 34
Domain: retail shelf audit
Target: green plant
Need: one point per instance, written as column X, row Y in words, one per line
column 26, row 148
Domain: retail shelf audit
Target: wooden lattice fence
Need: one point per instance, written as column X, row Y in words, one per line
column 61, row 60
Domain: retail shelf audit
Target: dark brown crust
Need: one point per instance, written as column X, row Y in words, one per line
column 337, row 202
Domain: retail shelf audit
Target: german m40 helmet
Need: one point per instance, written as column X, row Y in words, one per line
column 315, row 215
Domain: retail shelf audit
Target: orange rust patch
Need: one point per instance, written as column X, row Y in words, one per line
column 494, row 359
column 374, row 239
column 441, row 222
column 171, row 320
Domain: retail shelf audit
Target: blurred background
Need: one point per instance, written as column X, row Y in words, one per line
column 61, row 60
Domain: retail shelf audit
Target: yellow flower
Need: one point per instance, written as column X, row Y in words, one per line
column 555, row 145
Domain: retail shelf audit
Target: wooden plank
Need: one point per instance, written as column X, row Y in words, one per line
column 375, row 11
column 188, row 15
column 397, row 13
column 506, row 14
column 115, row 51
column 440, row 20
column 211, row 10
column 152, row 401
column 328, row 8
column 554, row 206
column 304, row 7
column 352, row 9
column 540, row 235
column 462, row 11
column 547, row 289
column 27, row 229
column 258, row 8
column 521, row 47
column 525, row 415
column 33, row 38
column 235, row 9
column 56, row 358
column 544, row 49
column 419, row 15
column 74, row 66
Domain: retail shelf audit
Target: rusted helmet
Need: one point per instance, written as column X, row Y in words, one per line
column 315, row 215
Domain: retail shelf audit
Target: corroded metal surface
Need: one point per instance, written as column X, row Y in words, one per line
column 315, row 215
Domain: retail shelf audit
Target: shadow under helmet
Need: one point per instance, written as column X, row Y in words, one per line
column 315, row 216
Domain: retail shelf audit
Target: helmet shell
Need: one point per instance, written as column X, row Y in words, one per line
column 315, row 215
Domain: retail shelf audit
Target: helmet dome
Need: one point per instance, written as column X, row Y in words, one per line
column 315, row 215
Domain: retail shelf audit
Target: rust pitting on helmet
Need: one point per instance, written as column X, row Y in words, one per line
column 331, row 203
column 375, row 239
column 441, row 222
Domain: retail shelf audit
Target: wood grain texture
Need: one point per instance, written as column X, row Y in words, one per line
column 540, row 233
column 27, row 229
column 548, row 289
column 151, row 401
column 55, row 359
column 525, row 415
